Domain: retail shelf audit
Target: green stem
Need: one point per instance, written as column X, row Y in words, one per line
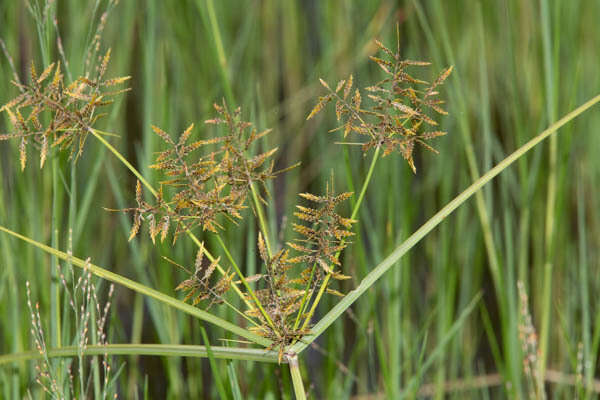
column 434, row 221
column 220, row 49
column 363, row 190
column 55, row 335
column 145, row 290
column 359, row 201
column 161, row 350
column 296, row 377
column 246, row 285
column 305, row 298
column 261, row 218
column 545, row 329
column 213, row 365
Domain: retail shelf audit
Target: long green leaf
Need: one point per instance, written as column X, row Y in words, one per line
column 163, row 350
column 434, row 221
column 145, row 290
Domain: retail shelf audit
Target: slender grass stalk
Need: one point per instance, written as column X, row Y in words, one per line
column 247, row 286
column 213, row 365
column 434, row 221
column 261, row 218
column 55, row 318
column 233, row 381
column 161, row 350
column 549, row 234
column 296, row 378
column 219, row 49
column 584, row 284
column 147, row 291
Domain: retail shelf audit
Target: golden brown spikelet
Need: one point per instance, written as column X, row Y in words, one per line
column 400, row 107
column 72, row 111
column 209, row 179
column 324, row 238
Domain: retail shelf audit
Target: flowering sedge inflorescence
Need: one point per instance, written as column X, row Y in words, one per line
column 50, row 113
column 211, row 180
column 204, row 186
column 397, row 119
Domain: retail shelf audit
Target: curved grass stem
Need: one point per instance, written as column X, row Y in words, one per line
column 261, row 218
column 162, row 350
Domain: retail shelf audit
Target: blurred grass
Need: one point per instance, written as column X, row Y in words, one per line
column 518, row 65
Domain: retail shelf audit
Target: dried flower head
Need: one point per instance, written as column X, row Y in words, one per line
column 280, row 298
column 398, row 117
column 324, row 237
column 50, row 113
column 205, row 186
column 202, row 286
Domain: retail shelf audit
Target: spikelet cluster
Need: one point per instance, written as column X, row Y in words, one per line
column 398, row 116
column 324, row 235
column 50, row 113
column 280, row 297
column 202, row 285
column 204, row 185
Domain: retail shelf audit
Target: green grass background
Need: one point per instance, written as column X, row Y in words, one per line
column 519, row 65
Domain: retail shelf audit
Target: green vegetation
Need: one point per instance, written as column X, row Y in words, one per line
column 494, row 300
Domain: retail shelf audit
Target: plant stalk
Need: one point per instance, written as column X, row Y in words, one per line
column 261, row 218
column 296, row 377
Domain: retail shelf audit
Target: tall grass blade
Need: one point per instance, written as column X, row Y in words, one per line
column 159, row 350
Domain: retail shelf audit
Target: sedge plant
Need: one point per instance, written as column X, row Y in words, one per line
column 210, row 184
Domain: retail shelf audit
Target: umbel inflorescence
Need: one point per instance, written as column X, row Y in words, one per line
column 206, row 178
column 397, row 117
column 213, row 180
column 48, row 112
column 210, row 180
